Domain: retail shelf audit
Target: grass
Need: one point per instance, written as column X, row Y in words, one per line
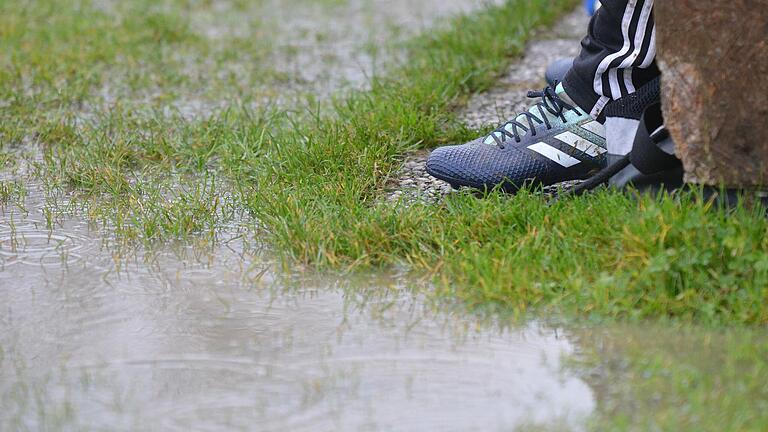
column 682, row 379
column 309, row 181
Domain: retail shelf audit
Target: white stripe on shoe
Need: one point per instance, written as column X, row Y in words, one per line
column 595, row 127
column 554, row 154
column 580, row 144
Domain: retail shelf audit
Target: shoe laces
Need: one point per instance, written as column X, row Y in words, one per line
column 550, row 102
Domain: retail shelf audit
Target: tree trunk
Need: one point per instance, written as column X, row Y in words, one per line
column 713, row 55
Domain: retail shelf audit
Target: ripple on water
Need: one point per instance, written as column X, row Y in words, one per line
column 28, row 237
column 29, row 245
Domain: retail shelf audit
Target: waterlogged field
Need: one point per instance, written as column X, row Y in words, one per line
column 175, row 173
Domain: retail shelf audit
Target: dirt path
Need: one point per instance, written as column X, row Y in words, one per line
column 500, row 103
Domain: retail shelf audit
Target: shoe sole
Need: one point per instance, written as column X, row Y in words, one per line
column 507, row 187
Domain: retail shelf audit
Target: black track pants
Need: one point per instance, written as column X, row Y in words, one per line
column 617, row 57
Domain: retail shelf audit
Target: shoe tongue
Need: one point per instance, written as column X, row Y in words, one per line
column 560, row 90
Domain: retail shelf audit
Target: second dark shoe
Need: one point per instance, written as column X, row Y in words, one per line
column 556, row 70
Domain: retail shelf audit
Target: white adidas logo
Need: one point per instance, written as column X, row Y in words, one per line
column 574, row 141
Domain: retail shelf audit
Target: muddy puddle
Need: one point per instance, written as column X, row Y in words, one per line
column 190, row 338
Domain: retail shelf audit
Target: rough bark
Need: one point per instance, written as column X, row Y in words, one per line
column 714, row 60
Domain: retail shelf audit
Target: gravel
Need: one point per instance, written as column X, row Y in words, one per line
column 504, row 100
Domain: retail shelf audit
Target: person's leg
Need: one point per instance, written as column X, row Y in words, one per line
column 616, row 79
column 615, row 76
column 617, row 55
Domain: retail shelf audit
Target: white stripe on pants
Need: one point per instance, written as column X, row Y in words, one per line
column 637, row 14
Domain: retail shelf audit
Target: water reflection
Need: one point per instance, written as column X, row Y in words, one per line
column 214, row 339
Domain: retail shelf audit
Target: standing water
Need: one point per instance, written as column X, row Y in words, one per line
column 213, row 339
column 190, row 337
